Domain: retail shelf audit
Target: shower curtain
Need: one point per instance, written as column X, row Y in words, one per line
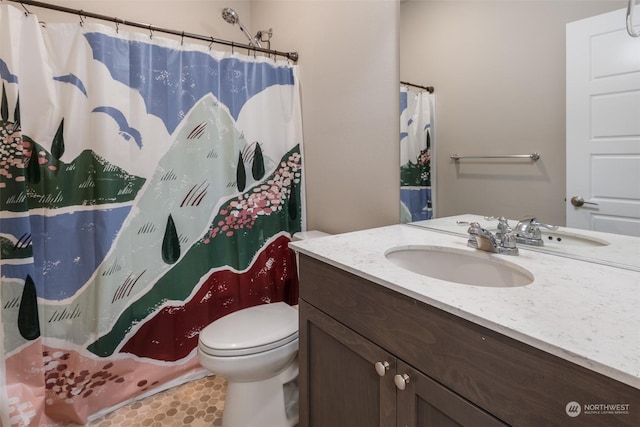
column 147, row 188
column 416, row 146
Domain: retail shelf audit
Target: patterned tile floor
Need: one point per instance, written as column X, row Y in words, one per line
column 197, row 403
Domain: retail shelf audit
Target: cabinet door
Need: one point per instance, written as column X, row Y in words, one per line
column 424, row 403
column 339, row 381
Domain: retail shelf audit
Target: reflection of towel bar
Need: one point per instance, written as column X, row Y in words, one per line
column 532, row 156
column 630, row 19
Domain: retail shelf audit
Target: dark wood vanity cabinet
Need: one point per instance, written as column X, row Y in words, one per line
column 352, row 382
column 370, row 356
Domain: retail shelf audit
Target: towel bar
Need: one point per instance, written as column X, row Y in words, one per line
column 532, row 156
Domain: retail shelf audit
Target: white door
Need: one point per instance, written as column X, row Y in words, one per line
column 603, row 124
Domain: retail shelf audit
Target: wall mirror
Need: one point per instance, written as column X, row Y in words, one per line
column 499, row 72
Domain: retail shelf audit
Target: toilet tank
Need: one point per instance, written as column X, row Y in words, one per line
column 305, row 235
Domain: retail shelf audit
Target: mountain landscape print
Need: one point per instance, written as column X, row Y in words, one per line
column 140, row 200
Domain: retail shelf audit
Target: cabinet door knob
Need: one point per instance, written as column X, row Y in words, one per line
column 401, row 381
column 382, row 368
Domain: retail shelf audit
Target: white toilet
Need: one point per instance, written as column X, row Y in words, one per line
column 255, row 350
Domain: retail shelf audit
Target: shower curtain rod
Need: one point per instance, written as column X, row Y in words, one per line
column 293, row 56
column 429, row 89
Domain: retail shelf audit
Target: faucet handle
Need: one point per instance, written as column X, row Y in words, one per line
column 473, row 230
column 528, row 231
column 540, row 224
column 528, row 227
column 474, row 224
column 508, row 244
column 525, row 221
column 531, row 221
column 502, row 221
column 508, row 240
column 503, row 227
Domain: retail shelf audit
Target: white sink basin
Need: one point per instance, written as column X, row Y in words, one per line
column 458, row 266
column 559, row 239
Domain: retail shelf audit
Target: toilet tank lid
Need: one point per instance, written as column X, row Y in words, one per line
column 311, row 234
column 251, row 327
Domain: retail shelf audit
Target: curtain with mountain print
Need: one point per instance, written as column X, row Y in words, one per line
column 147, row 188
column 416, row 146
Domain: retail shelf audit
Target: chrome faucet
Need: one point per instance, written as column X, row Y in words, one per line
column 483, row 239
column 527, row 231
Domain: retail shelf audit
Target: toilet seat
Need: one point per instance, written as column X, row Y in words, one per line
column 251, row 330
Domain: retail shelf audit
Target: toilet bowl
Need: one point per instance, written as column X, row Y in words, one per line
column 255, row 350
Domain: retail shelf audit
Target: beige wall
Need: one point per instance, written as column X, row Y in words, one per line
column 350, row 102
column 498, row 68
column 349, row 75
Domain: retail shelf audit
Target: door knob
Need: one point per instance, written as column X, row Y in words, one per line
column 401, row 381
column 382, row 368
column 578, row 201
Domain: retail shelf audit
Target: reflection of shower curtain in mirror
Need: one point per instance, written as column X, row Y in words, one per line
column 416, row 146
column 147, row 188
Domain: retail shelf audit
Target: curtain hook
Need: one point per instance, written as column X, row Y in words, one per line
column 232, row 46
column 26, row 11
column 81, row 18
column 117, row 26
column 211, row 44
column 182, row 39
column 150, row 32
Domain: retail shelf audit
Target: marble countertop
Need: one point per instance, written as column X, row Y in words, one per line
column 586, row 313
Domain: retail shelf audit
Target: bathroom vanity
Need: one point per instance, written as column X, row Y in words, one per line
column 384, row 346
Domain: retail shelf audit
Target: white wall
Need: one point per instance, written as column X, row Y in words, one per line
column 350, row 105
column 498, row 68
